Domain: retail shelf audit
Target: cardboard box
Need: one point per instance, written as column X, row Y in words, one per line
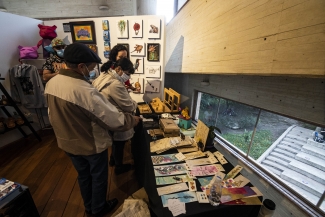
column 169, row 127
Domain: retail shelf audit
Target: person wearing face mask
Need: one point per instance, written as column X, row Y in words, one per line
column 118, row 52
column 55, row 62
column 81, row 118
column 111, row 85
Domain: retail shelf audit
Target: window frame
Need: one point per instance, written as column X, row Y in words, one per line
column 249, row 162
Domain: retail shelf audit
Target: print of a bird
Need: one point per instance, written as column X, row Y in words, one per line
column 137, row 64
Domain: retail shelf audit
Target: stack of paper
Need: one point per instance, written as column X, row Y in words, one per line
column 176, row 207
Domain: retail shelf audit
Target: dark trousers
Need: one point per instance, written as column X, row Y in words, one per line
column 117, row 152
column 92, row 178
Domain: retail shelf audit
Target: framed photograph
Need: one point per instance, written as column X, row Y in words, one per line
column 136, row 28
column 106, row 36
column 154, row 28
column 153, row 71
column 83, row 32
column 106, row 54
column 93, row 47
column 127, row 48
column 138, row 64
column 138, row 83
column 153, row 52
column 152, row 86
column 66, row 27
column 122, row 28
column 138, row 49
column 105, row 25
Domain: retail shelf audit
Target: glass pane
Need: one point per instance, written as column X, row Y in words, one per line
column 208, row 106
column 166, row 8
column 180, row 4
column 236, row 122
column 292, row 150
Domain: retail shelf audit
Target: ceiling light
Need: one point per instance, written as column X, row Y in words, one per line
column 103, row 7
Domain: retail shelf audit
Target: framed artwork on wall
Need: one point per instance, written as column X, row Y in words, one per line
column 152, row 86
column 153, row 52
column 127, row 48
column 66, row 27
column 137, row 82
column 105, row 25
column 83, row 32
column 154, row 28
column 122, row 28
column 153, row 71
column 138, row 49
column 138, row 64
column 93, row 47
column 106, row 35
column 136, row 28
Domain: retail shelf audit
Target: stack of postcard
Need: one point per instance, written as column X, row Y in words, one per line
column 7, row 187
column 165, row 144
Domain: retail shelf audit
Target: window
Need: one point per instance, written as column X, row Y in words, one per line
column 169, row 8
column 291, row 150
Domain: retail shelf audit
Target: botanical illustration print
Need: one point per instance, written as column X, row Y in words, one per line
column 165, row 180
column 163, row 159
column 185, row 197
column 136, row 28
column 170, row 170
column 122, row 27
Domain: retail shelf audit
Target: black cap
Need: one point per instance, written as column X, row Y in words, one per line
column 80, row 53
column 269, row 204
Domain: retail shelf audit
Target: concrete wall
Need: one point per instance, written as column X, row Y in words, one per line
column 17, row 30
column 265, row 37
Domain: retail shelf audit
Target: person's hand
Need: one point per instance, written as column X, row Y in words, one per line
column 137, row 120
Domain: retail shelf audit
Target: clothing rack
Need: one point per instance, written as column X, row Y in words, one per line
column 21, row 114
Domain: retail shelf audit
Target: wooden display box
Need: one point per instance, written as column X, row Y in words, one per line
column 169, row 127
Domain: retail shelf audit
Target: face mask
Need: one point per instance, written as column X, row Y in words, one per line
column 125, row 77
column 60, row 52
column 87, row 78
column 92, row 74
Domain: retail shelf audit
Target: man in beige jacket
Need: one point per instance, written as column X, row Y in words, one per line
column 81, row 118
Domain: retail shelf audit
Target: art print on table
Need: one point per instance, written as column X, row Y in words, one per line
column 153, row 54
column 205, row 181
column 168, row 170
column 138, row 64
column 154, row 28
column 106, row 35
column 153, row 71
column 138, row 49
column 198, row 162
column 185, row 197
column 166, row 180
column 105, row 25
column 127, row 48
column 164, row 159
column 136, row 28
column 122, row 28
column 137, row 82
column 203, row 170
column 152, row 86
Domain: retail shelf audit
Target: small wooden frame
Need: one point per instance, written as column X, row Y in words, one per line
column 144, row 109
column 158, row 106
column 172, row 99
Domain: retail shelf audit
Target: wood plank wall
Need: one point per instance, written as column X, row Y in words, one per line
column 253, row 37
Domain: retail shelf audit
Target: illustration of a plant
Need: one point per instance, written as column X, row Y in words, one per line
column 121, row 26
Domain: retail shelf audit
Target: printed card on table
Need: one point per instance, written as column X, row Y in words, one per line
column 164, row 159
column 241, row 181
column 203, row 170
column 167, row 170
column 172, row 188
column 193, row 155
column 166, row 180
column 197, row 162
column 233, row 172
column 185, row 197
column 192, row 186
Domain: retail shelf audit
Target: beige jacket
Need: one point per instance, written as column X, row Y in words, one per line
column 81, row 116
column 116, row 93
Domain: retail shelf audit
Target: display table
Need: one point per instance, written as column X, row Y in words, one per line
column 19, row 203
column 146, row 178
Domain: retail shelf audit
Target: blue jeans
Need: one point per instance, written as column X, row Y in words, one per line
column 92, row 178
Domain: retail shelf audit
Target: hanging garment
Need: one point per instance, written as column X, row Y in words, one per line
column 26, row 86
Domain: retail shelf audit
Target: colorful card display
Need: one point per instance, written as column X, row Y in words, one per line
column 168, row 170
column 164, row 159
column 166, row 180
column 185, row 197
column 172, row 188
column 207, row 170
